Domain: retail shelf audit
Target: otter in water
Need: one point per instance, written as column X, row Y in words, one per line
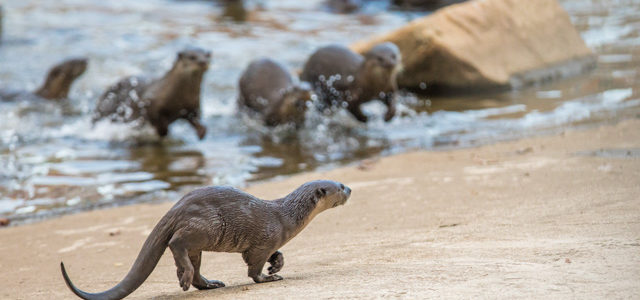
column 224, row 219
column 343, row 77
column 161, row 101
column 343, row 6
column 58, row 82
column 268, row 90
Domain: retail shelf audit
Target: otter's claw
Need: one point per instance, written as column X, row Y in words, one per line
column 209, row 284
column 277, row 262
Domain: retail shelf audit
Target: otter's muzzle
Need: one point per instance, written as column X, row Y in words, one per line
column 347, row 191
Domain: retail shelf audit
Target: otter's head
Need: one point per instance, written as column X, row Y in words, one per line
column 329, row 194
column 60, row 77
column 291, row 108
column 192, row 61
column 314, row 197
column 384, row 56
column 295, row 100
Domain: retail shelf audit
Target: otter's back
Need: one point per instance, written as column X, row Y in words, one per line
column 330, row 61
column 123, row 100
column 232, row 220
column 262, row 83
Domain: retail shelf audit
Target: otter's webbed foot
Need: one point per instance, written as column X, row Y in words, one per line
column 266, row 278
column 256, row 260
column 205, row 284
column 277, row 262
column 201, row 130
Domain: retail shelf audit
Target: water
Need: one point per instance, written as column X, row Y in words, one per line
column 52, row 160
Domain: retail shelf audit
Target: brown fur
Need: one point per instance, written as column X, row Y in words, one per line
column 60, row 78
column 57, row 83
column 224, row 219
column 268, row 90
column 343, row 76
column 162, row 101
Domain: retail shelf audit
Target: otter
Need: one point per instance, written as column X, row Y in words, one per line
column 57, row 83
column 343, row 6
column 344, row 77
column 224, row 219
column 162, row 101
column 267, row 89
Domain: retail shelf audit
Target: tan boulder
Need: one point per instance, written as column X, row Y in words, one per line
column 488, row 44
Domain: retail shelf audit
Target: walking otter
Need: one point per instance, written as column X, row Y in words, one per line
column 340, row 75
column 162, row 101
column 225, row 219
column 58, row 82
column 267, row 89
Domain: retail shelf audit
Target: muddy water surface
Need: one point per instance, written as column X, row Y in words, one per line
column 53, row 160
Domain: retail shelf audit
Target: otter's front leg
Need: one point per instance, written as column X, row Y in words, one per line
column 162, row 126
column 255, row 261
column 195, row 123
column 277, row 262
column 390, row 101
column 354, row 109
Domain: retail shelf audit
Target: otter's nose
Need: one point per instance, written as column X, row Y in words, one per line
column 346, row 190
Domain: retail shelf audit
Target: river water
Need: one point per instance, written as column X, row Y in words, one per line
column 53, row 160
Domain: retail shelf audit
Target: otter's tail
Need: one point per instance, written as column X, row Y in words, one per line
column 146, row 261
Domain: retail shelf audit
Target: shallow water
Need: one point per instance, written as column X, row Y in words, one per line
column 52, row 160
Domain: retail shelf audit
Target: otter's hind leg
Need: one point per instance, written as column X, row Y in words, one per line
column 199, row 281
column 183, row 263
column 256, row 259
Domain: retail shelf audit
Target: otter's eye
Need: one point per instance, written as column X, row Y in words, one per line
column 393, row 56
column 380, row 59
column 192, row 57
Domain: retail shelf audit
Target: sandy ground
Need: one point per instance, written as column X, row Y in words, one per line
column 551, row 217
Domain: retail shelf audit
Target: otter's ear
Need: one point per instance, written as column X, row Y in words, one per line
column 320, row 192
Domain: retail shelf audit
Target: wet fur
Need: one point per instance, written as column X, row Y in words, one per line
column 341, row 75
column 162, row 101
column 268, row 90
column 57, row 83
column 225, row 219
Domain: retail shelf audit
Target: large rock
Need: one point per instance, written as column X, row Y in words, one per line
column 488, row 44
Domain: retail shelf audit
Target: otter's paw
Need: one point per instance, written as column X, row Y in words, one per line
column 267, row 278
column 272, row 277
column 389, row 115
column 202, row 131
column 208, row 284
column 274, row 269
column 186, row 279
column 277, row 262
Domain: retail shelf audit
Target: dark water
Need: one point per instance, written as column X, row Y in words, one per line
column 52, row 160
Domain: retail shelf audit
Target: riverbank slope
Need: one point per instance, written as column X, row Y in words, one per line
column 551, row 216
